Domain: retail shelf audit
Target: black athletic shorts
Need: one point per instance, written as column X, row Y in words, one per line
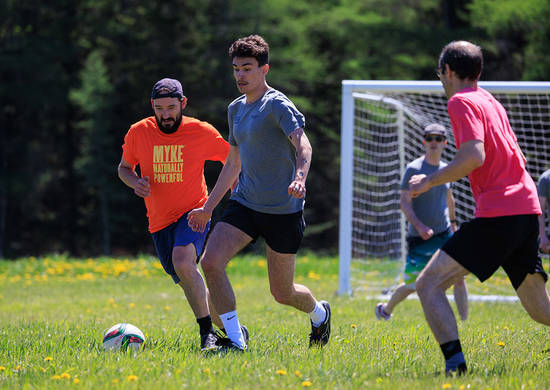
column 511, row 242
column 282, row 232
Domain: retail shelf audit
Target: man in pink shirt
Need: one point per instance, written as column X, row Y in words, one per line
column 504, row 232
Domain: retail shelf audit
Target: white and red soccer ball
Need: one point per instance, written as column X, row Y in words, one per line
column 123, row 337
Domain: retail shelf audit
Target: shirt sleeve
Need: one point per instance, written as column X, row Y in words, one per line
column 128, row 148
column 542, row 186
column 288, row 116
column 230, row 115
column 216, row 147
column 409, row 172
column 466, row 121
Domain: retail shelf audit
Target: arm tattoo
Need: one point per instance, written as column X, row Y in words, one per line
column 300, row 173
column 304, row 160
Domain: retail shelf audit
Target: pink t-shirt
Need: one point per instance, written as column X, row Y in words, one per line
column 501, row 186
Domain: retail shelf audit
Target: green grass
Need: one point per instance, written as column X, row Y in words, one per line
column 53, row 312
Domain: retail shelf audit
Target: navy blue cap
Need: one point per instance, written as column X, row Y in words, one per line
column 167, row 88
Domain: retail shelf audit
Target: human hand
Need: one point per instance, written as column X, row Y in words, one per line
column 425, row 232
column 197, row 219
column 418, row 184
column 297, row 189
column 143, row 188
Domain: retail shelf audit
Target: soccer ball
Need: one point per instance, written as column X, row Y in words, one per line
column 122, row 337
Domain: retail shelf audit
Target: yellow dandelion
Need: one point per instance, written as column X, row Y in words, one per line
column 505, row 328
column 167, row 308
column 462, row 387
column 115, row 380
column 501, row 344
column 56, row 377
column 65, row 376
column 281, row 372
column 42, row 369
column 206, row 370
column 76, row 381
column 306, row 383
column 132, row 378
column 353, row 326
column 262, row 263
column 18, row 367
column 48, row 358
column 111, row 301
column 148, row 307
column 446, row 386
column 131, row 305
column 2, row 368
column 298, row 373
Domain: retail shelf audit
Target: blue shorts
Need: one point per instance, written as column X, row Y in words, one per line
column 177, row 234
column 420, row 252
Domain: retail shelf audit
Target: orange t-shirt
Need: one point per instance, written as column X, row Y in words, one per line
column 175, row 165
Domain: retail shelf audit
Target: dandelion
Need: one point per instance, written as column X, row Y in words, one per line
column 56, row 377
column 65, row 376
column 115, row 381
column 505, row 328
column 111, row 301
column 131, row 305
column 306, row 383
column 148, row 307
column 262, row 263
column 18, row 367
column 353, row 326
column 206, row 370
column 132, row 378
column 446, row 386
column 167, row 308
column 462, row 387
column 281, row 372
column 48, row 359
column 76, row 381
column 298, row 373
column 2, row 368
column 501, row 344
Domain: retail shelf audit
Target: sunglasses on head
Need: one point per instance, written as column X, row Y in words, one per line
column 437, row 138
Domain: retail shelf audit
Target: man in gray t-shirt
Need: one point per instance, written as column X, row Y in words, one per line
column 543, row 187
column 431, row 218
column 271, row 155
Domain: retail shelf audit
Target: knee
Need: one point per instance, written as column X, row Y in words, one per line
column 422, row 286
column 281, row 296
column 184, row 266
column 211, row 264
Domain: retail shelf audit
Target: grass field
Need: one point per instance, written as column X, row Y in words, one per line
column 54, row 310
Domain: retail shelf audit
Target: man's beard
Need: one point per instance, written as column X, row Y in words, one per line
column 173, row 128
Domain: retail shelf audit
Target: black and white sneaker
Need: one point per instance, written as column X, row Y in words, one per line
column 225, row 345
column 320, row 334
column 209, row 342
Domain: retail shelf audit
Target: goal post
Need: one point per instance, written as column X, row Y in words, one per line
column 381, row 132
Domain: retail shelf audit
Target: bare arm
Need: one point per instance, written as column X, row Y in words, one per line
column 544, row 241
column 198, row 218
column 405, row 202
column 303, row 161
column 451, row 207
column 470, row 156
column 128, row 175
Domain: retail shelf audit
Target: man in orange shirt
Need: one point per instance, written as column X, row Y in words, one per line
column 170, row 149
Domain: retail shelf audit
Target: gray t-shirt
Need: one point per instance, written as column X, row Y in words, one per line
column 431, row 206
column 268, row 159
column 543, row 185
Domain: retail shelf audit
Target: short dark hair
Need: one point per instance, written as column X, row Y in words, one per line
column 464, row 58
column 251, row 46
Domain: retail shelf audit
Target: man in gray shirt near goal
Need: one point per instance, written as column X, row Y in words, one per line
column 271, row 155
column 432, row 222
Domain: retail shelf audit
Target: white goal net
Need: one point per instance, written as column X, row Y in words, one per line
column 382, row 124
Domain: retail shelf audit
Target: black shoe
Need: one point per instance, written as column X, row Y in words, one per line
column 226, row 345
column 459, row 371
column 320, row 334
column 245, row 333
column 209, row 342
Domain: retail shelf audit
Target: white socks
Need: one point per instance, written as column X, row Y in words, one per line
column 318, row 314
column 233, row 328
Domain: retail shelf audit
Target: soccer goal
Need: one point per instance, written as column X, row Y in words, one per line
column 382, row 124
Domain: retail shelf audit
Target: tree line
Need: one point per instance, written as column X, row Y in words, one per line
column 77, row 73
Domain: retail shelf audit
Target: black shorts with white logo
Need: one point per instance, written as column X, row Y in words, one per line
column 485, row 244
column 282, row 232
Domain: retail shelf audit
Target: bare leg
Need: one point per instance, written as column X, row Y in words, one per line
column 441, row 272
column 461, row 299
column 224, row 242
column 400, row 293
column 213, row 313
column 534, row 298
column 191, row 281
column 281, row 282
